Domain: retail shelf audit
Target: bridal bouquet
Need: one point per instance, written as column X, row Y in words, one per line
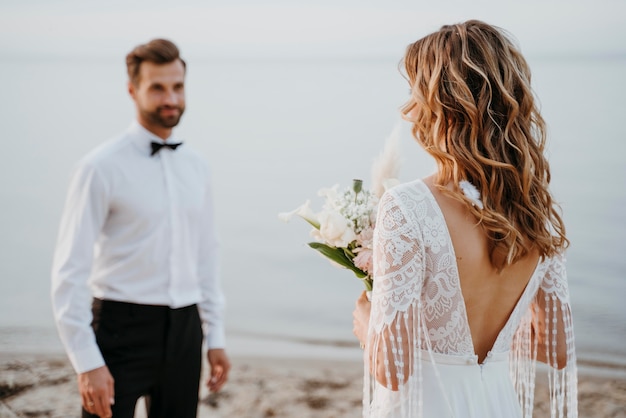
column 343, row 229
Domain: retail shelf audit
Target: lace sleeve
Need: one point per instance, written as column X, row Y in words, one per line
column 547, row 334
column 397, row 263
column 394, row 332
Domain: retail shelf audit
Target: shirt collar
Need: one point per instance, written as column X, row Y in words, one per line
column 142, row 137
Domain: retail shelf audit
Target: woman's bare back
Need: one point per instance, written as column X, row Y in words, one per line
column 490, row 296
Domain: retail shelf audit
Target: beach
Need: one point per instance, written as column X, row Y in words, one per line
column 44, row 385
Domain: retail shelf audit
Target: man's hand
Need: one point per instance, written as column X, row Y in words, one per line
column 220, row 366
column 97, row 392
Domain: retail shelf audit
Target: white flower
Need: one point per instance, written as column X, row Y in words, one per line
column 471, row 192
column 304, row 212
column 335, row 229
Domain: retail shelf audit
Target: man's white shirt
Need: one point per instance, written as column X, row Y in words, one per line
column 135, row 228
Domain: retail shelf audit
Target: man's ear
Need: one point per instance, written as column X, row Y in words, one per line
column 131, row 89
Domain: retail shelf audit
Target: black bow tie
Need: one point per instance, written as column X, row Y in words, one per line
column 156, row 146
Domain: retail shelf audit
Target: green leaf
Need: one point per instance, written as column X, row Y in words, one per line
column 339, row 256
column 348, row 253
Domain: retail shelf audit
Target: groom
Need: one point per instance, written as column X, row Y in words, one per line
column 135, row 271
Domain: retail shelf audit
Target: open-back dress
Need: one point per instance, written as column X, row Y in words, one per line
column 420, row 332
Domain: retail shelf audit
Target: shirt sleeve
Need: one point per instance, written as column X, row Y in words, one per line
column 213, row 302
column 84, row 214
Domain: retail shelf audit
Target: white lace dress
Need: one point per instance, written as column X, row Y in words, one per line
column 419, row 326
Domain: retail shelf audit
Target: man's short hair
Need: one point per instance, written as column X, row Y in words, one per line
column 158, row 51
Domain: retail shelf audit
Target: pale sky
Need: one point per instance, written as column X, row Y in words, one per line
column 300, row 27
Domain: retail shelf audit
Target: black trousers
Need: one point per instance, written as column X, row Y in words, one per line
column 151, row 351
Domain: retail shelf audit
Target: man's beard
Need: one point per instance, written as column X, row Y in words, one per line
column 164, row 121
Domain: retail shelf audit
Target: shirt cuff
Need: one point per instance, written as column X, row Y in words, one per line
column 216, row 337
column 86, row 359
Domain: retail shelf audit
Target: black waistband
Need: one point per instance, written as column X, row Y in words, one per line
column 116, row 305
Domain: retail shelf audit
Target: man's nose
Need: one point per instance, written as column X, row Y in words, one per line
column 170, row 98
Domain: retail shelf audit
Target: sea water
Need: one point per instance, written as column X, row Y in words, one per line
column 275, row 131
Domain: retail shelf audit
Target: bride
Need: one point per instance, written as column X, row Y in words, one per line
column 470, row 288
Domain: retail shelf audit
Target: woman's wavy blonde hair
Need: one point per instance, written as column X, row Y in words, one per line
column 473, row 110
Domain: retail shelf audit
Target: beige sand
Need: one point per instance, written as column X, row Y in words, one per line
column 37, row 385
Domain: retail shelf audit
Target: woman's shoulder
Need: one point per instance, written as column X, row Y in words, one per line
column 408, row 193
column 411, row 201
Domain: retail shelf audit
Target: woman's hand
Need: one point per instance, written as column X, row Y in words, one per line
column 361, row 318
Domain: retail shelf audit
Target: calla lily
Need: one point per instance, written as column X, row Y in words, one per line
column 305, row 212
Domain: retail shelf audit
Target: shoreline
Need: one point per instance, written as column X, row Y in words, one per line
column 35, row 341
